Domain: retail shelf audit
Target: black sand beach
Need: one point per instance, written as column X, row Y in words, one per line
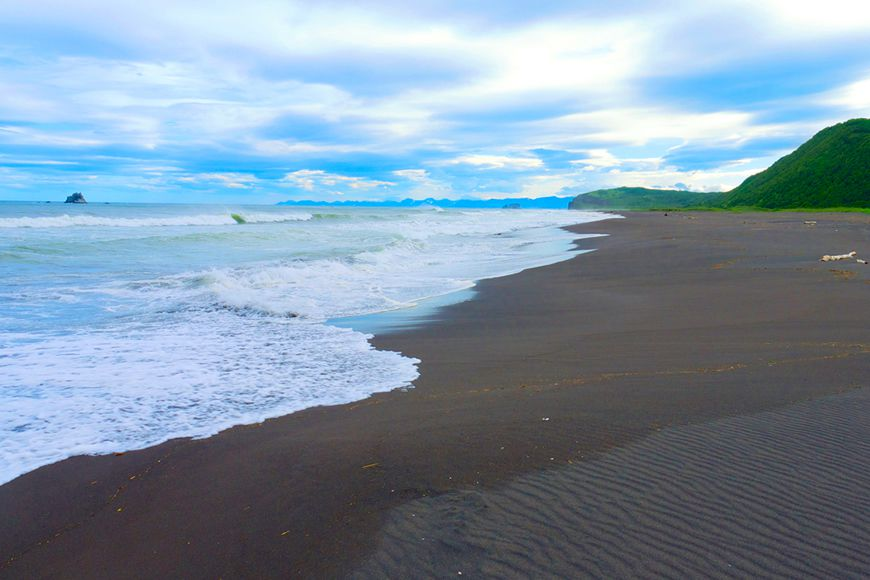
column 774, row 494
column 684, row 337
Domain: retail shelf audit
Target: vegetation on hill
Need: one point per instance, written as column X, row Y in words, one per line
column 643, row 198
column 830, row 170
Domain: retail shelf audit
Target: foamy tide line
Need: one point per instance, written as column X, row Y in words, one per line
column 107, row 362
column 421, row 262
column 66, row 220
column 189, row 376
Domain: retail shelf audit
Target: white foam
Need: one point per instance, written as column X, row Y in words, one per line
column 88, row 220
column 190, row 376
column 192, row 353
column 427, row 258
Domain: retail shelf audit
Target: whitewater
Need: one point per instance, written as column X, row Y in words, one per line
column 125, row 325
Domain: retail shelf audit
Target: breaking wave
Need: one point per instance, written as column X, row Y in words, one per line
column 117, row 338
column 87, row 220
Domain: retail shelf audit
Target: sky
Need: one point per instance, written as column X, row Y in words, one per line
column 261, row 101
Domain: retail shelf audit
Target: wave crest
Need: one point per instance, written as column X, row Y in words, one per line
column 66, row 220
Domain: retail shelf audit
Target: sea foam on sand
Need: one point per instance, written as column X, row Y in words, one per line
column 128, row 328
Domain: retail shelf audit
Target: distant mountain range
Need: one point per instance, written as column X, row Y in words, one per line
column 831, row 170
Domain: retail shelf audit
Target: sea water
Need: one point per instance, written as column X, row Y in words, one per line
column 125, row 325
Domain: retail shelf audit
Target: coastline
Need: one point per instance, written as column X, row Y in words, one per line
column 674, row 320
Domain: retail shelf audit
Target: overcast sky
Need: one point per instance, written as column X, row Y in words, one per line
column 264, row 101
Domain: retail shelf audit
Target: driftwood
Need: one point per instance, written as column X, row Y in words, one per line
column 837, row 258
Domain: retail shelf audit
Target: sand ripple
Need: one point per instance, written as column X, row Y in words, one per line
column 777, row 494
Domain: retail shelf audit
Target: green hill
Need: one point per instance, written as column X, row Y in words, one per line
column 830, row 170
column 643, row 198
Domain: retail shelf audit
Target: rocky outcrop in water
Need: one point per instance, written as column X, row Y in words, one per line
column 76, row 198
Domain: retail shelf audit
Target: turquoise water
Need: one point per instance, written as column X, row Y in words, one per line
column 124, row 325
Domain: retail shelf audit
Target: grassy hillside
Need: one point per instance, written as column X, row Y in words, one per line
column 642, row 198
column 830, row 170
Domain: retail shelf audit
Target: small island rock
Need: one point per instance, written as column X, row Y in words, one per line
column 76, row 198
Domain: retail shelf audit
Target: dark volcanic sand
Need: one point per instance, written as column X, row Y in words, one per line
column 676, row 320
column 781, row 493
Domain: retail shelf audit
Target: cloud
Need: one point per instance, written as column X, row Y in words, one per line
column 544, row 185
column 424, row 185
column 280, row 148
column 13, row 161
column 29, row 136
column 347, row 98
column 229, row 180
column 813, row 17
column 719, row 179
column 314, row 179
column 495, row 161
column 854, row 96
column 597, row 158
column 418, row 175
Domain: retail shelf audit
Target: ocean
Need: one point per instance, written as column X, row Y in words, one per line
column 125, row 325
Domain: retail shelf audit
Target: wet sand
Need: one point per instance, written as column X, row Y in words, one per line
column 675, row 320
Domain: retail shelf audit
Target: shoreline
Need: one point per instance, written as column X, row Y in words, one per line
column 608, row 347
column 237, row 337
column 427, row 310
column 549, row 244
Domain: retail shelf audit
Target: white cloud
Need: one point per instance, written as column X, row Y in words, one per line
column 495, row 161
column 597, row 158
column 412, row 174
column 854, row 96
column 815, row 17
column 311, row 179
column 423, row 184
column 282, row 148
column 228, row 180
column 722, row 178
column 601, row 159
column 638, row 126
column 145, row 104
column 28, row 135
column 544, row 185
column 33, row 161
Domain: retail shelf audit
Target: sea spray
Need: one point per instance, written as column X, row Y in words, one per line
column 192, row 375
